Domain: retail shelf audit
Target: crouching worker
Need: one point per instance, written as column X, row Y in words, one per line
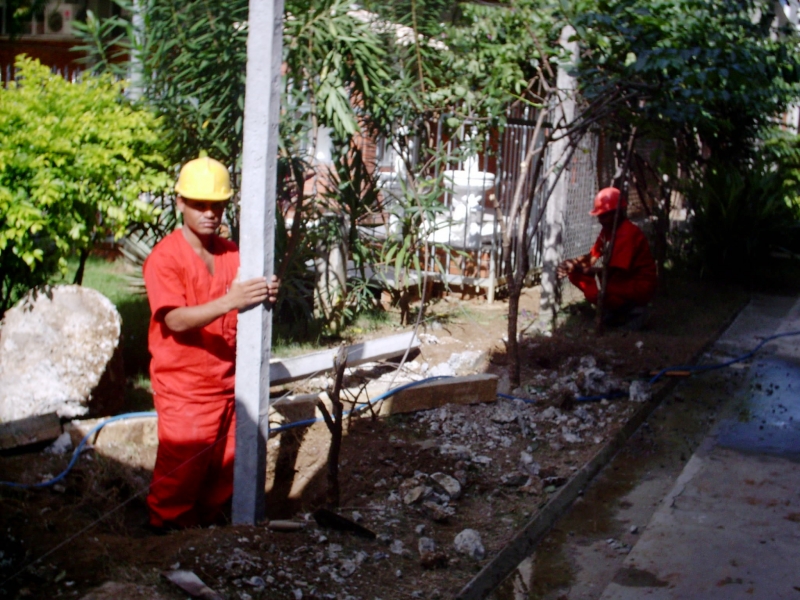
column 195, row 295
column 632, row 279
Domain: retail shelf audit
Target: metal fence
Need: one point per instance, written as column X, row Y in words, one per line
column 581, row 229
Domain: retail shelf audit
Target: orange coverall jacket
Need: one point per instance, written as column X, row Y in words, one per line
column 192, row 374
column 632, row 278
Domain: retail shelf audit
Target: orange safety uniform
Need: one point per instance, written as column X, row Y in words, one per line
column 632, row 278
column 192, row 374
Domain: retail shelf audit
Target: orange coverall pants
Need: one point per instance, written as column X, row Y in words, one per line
column 193, row 476
column 619, row 293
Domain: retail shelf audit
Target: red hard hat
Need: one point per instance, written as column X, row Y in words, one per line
column 606, row 200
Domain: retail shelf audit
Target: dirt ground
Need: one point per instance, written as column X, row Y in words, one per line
column 416, row 481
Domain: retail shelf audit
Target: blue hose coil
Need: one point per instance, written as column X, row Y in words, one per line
column 77, row 452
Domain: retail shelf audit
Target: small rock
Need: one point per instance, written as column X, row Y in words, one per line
column 457, row 452
column 441, row 370
column 347, row 567
column 427, row 338
column 414, row 495
column 514, row 479
column 555, row 481
column 398, row 573
column 256, row 582
column 466, row 361
column 503, row 414
column 396, row 547
column 639, row 391
column 298, row 594
column 469, row 543
column 61, row 445
column 449, row 485
column 549, row 413
column 437, row 513
column 426, row 545
column 420, row 529
column 357, row 517
column 634, row 529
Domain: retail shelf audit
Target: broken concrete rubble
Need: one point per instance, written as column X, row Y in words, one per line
column 468, row 542
column 447, row 485
column 639, row 391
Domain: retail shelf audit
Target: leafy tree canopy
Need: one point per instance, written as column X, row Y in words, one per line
column 74, row 161
column 720, row 68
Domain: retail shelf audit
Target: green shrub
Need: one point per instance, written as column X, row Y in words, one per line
column 75, row 159
column 739, row 218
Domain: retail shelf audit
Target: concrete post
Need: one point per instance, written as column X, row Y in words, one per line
column 553, row 222
column 256, row 243
column 136, row 85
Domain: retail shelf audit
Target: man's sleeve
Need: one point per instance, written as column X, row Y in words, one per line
column 165, row 287
column 597, row 249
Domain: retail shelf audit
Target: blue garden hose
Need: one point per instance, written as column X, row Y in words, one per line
column 691, row 368
column 700, row 368
column 611, row 395
column 77, row 452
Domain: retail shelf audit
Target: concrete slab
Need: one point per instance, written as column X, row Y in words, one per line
column 30, row 430
column 730, row 526
column 728, row 530
column 470, row 389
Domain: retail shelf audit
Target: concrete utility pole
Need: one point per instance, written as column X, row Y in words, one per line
column 256, row 245
column 553, row 248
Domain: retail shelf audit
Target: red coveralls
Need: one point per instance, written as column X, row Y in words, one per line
column 632, row 278
column 192, row 374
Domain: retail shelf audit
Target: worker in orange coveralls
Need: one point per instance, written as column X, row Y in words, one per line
column 632, row 278
column 195, row 295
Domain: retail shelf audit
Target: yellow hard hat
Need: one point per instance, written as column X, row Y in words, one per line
column 204, row 179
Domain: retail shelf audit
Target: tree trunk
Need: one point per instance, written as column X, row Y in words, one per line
column 81, row 267
column 335, row 426
column 512, row 347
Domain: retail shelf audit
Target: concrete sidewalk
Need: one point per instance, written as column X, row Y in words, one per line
column 730, row 526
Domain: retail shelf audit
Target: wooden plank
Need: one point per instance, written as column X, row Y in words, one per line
column 256, row 245
column 39, row 428
column 286, row 370
column 471, row 389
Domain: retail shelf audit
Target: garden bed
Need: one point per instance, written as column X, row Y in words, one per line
column 508, row 457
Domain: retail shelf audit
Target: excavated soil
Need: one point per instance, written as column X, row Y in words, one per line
column 495, row 466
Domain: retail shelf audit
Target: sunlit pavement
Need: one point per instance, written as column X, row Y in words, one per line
column 730, row 526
